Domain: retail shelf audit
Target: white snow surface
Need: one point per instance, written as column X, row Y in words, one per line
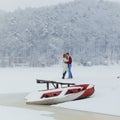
column 11, row 113
column 105, row 99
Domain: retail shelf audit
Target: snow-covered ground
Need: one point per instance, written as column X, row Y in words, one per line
column 105, row 99
column 11, row 113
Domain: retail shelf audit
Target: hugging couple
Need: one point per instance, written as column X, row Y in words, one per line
column 67, row 64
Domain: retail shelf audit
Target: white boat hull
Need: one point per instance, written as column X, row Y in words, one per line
column 65, row 95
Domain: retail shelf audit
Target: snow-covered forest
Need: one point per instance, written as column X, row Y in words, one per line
column 88, row 29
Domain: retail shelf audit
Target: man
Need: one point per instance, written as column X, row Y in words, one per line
column 69, row 66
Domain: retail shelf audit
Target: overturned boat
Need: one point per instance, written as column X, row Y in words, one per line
column 61, row 92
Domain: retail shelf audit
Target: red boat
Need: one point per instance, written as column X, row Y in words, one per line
column 62, row 92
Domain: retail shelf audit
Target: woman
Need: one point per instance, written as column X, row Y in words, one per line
column 65, row 65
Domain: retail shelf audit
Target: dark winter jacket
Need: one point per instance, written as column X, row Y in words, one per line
column 69, row 60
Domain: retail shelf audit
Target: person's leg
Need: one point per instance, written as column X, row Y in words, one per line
column 63, row 75
column 69, row 71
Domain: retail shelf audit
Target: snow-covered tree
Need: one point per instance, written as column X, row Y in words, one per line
column 88, row 29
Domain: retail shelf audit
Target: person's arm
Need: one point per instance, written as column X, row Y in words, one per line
column 65, row 60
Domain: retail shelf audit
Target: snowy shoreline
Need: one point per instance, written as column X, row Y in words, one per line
column 105, row 100
column 15, row 107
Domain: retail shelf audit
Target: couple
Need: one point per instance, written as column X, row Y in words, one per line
column 67, row 64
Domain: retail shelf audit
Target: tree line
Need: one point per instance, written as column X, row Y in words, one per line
column 34, row 37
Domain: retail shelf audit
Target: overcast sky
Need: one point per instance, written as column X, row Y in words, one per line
column 10, row 5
